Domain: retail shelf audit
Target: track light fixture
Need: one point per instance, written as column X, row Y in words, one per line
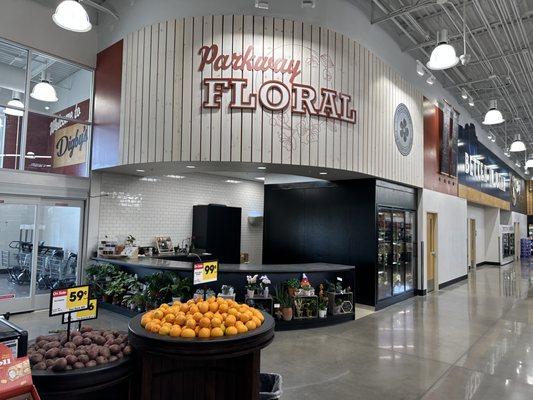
column 464, row 95
column 262, row 4
column 308, row 3
column 420, row 68
column 430, row 80
column 471, row 101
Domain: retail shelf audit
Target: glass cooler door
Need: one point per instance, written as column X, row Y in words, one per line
column 409, row 248
column 398, row 244
column 384, row 254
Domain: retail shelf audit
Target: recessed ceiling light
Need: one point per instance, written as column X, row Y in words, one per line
column 323, row 173
column 260, row 178
column 190, row 166
column 262, row 4
column 140, row 170
column 232, row 181
column 261, row 167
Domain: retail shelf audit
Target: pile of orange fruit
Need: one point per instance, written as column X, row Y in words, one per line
column 212, row 318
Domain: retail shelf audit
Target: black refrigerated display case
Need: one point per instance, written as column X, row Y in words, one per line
column 396, row 260
column 14, row 337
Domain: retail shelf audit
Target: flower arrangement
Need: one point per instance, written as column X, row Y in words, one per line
column 251, row 285
column 264, row 281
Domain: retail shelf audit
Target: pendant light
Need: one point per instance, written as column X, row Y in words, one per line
column 443, row 56
column 517, row 145
column 493, row 116
column 529, row 162
column 71, row 15
column 14, row 102
column 44, row 91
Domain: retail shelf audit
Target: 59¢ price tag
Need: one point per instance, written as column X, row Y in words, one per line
column 68, row 300
column 205, row 272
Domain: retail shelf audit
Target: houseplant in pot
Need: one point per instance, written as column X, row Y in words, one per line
column 251, row 285
column 264, row 282
column 292, row 284
column 322, row 307
column 179, row 288
column 285, row 301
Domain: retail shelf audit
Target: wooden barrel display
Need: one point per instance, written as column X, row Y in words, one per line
column 225, row 368
column 106, row 381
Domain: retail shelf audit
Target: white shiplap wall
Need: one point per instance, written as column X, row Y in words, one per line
column 163, row 206
column 162, row 118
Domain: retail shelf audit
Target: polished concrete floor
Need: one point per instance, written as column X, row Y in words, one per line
column 472, row 340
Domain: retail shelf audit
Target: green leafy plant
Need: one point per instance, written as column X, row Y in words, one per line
column 157, row 288
column 179, row 287
column 99, row 276
column 292, row 283
column 322, row 303
column 334, row 287
column 282, row 297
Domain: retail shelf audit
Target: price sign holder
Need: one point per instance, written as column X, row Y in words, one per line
column 65, row 301
column 204, row 272
column 84, row 315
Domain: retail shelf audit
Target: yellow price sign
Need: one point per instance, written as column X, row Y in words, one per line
column 205, row 272
column 68, row 300
column 83, row 315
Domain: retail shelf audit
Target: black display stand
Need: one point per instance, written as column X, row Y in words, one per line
column 107, row 381
column 225, row 368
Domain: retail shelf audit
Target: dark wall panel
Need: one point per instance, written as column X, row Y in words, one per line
column 107, row 92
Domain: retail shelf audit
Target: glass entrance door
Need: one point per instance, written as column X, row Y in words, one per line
column 40, row 241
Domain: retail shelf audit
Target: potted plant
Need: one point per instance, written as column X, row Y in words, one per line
column 322, row 306
column 306, row 290
column 179, row 287
column 227, row 290
column 264, row 282
column 285, row 301
column 251, row 285
column 292, row 284
column 157, row 288
column 337, row 307
column 135, row 301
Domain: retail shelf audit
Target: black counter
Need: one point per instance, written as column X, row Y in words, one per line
column 167, row 264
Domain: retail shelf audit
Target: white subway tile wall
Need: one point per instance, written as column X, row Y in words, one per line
column 162, row 206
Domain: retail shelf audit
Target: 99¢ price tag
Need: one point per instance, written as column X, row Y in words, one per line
column 68, row 300
column 205, row 272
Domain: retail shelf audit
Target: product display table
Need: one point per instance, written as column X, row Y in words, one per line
column 225, row 368
column 87, row 383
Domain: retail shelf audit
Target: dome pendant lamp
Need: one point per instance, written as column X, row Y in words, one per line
column 517, row 145
column 493, row 116
column 14, row 102
column 529, row 162
column 71, row 15
column 443, row 56
column 44, row 91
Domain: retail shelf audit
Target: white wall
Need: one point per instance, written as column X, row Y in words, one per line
column 61, row 227
column 340, row 15
column 73, row 90
column 492, row 234
column 146, row 209
column 522, row 219
column 30, row 23
column 451, row 233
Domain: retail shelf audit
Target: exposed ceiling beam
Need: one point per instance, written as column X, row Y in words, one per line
column 402, row 11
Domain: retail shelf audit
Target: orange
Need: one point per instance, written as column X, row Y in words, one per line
column 145, row 320
column 204, row 333
column 233, row 311
column 193, row 309
column 184, row 308
column 203, row 307
column 170, row 318
column 197, row 316
column 197, row 329
column 215, row 322
column 231, row 331
column 259, row 315
column 209, row 314
column 187, row 333
column 213, row 307
column 241, row 328
column 175, row 331
column 164, row 305
column 155, row 328
column 250, row 325
column 211, row 299
column 191, row 323
column 257, row 322
column 216, row 332
column 205, row 322
column 230, row 320
column 158, row 314
column 217, row 315
column 164, row 330
column 245, row 318
column 180, row 320
column 223, row 308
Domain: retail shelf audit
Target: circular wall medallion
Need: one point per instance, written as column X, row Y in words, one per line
column 403, row 129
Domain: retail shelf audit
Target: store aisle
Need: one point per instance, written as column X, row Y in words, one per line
column 472, row 340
